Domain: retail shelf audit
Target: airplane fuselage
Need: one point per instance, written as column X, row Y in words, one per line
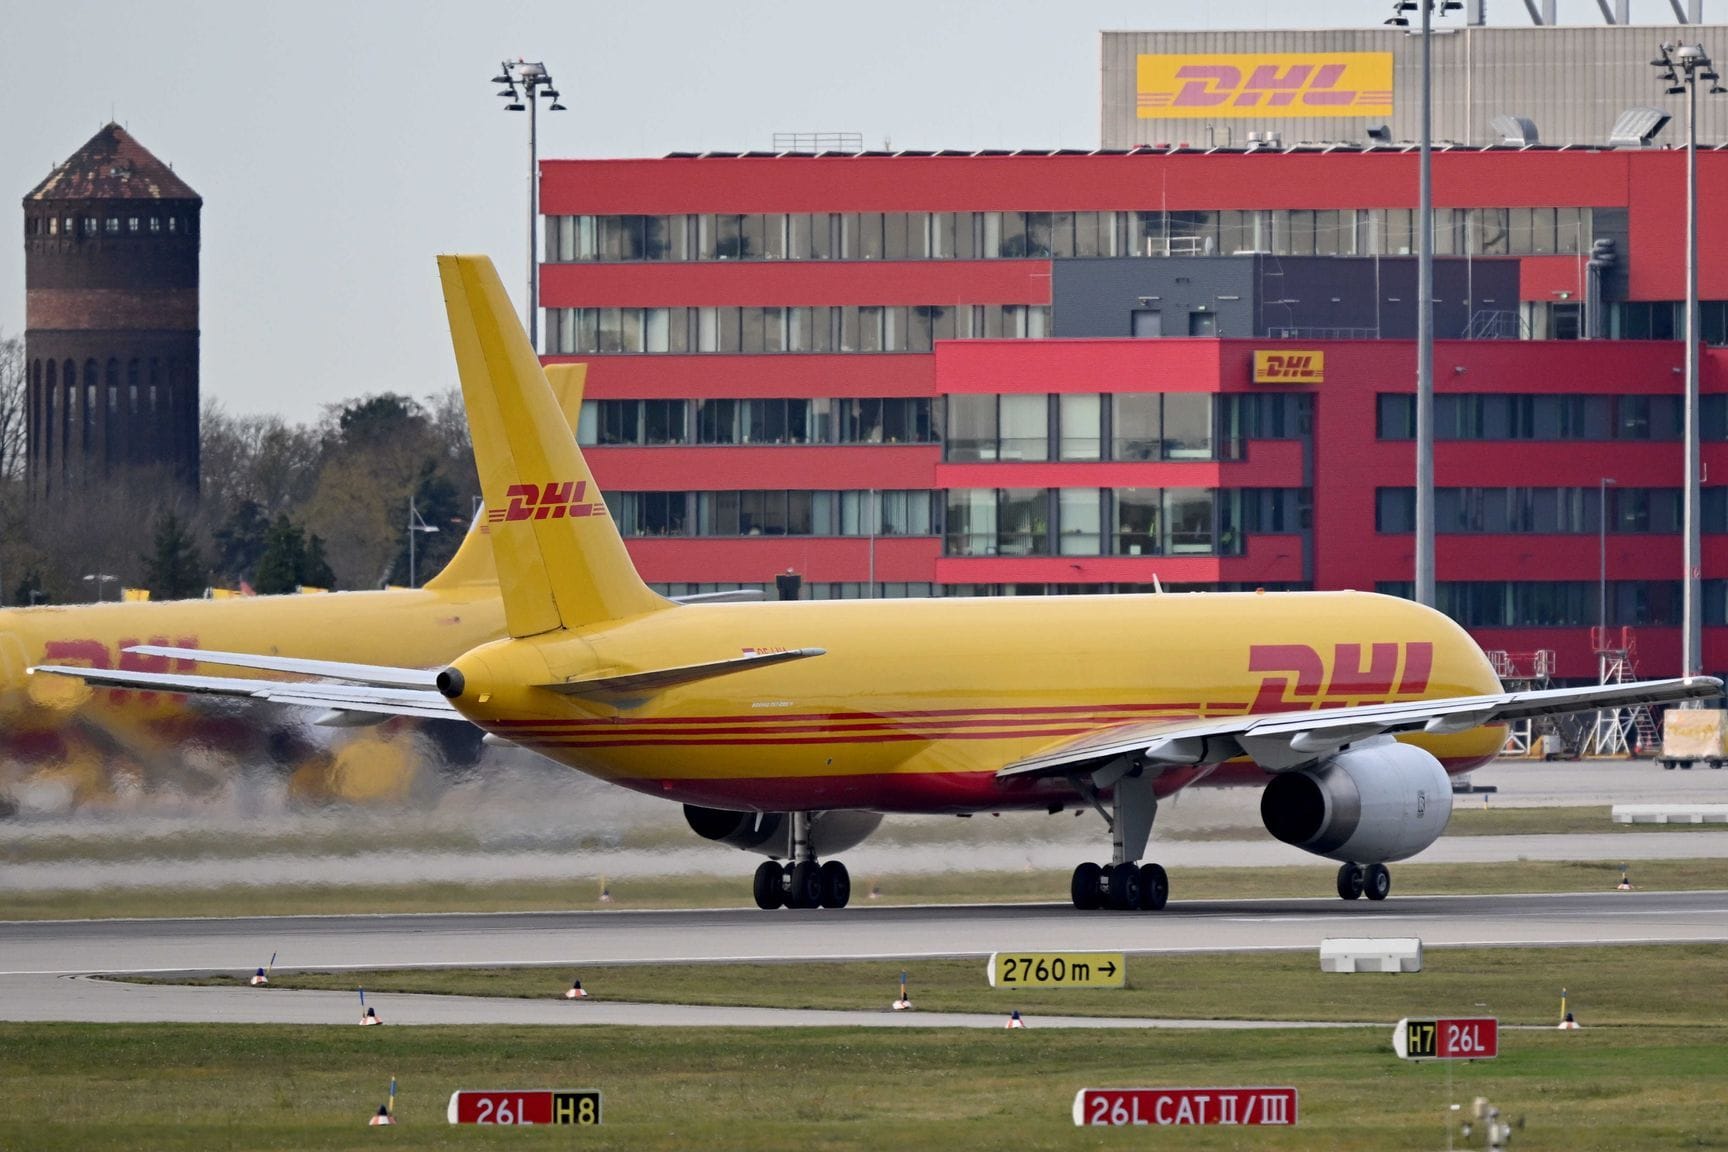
column 917, row 703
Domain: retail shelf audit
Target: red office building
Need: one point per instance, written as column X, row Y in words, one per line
column 1035, row 373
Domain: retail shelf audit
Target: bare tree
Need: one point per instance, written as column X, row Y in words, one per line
column 13, row 396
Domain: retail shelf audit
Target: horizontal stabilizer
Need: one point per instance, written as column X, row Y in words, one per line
column 1281, row 741
column 378, row 675
column 652, row 681
column 735, row 596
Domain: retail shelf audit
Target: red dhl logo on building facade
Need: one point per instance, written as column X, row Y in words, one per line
column 1289, row 367
column 553, row 500
column 1241, row 85
column 1297, row 677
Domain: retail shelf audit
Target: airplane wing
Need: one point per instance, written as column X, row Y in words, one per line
column 1281, row 741
column 381, row 690
column 368, row 698
column 377, row 675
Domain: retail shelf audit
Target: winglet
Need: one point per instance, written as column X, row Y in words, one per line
column 473, row 563
column 561, row 563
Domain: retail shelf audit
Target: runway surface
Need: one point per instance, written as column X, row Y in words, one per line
column 44, row 962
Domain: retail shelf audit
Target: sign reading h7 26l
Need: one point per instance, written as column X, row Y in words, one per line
column 1471, row 1038
column 1057, row 970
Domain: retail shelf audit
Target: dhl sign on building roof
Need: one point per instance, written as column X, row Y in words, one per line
column 1246, row 85
column 1295, row 367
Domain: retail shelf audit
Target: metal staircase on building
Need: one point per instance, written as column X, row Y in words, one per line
column 1619, row 732
column 1527, row 672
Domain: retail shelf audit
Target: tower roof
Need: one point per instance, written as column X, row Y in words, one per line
column 112, row 166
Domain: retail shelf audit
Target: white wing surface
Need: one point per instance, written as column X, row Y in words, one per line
column 1280, row 741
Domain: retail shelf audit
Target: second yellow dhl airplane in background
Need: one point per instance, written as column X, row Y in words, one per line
column 63, row 740
column 789, row 728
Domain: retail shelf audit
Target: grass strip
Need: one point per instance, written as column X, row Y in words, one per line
column 1621, row 986
column 583, row 892
column 181, row 1087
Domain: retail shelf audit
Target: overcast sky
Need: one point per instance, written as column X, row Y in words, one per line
column 339, row 146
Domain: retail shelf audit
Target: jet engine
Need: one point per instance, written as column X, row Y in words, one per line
column 770, row 832
column 1373, row 802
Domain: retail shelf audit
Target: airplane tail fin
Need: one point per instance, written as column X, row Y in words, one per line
column 473, row 562
column 561, row 562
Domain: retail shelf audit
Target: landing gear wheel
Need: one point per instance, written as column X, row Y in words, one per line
column 1125, row 888
column 1350, row 881
column 1377, row 882
column 1154, row 887
column 770, row 885
column 836, row 885
column 806, row 885
column 1085, row 887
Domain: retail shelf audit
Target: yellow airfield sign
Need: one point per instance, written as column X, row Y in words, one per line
column 1057, row 970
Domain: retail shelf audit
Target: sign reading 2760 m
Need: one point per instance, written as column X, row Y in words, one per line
column 1255, row 84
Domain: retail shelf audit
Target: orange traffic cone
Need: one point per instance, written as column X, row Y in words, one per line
column 1014, row 1021
column 576, row 992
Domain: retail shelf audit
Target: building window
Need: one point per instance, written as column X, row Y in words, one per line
column 1022, row 522
column 1079, row 521
column 1080, row 423
column 155, row 223
column 132, row 224
column 112, row 226
column 1394, row 510
column 1139, row 513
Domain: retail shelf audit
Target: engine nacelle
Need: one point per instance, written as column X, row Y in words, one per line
column 1374, row 802
column 770, row 833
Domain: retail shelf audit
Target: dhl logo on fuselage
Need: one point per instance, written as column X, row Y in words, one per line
column 91, row 653
column 1241, row 84
column 1289, row 367
column 553, row 500
column 1297, row 677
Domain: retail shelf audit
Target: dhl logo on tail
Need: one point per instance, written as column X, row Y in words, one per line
column 553, row 500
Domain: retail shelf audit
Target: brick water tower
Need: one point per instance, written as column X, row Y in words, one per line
column 111, row 319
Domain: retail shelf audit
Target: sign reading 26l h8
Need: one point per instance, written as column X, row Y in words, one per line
column 1468, row 1038
column 580, row 1106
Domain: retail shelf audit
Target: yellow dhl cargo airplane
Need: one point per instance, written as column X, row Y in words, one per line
column 82, row 741
column 789, row 728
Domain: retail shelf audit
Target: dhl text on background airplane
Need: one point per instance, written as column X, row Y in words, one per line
column 789, row 728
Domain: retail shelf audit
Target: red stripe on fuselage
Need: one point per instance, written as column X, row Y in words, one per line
column 1184, row 710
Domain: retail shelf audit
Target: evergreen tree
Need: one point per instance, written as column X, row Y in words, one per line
column 173, row 570
column 316, row 570
column 30, row 590
column 240, row 541
column 283, row 560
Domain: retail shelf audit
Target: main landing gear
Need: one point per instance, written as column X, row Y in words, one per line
column 1122, row 884
column 1373, row 881
column 802, row 882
